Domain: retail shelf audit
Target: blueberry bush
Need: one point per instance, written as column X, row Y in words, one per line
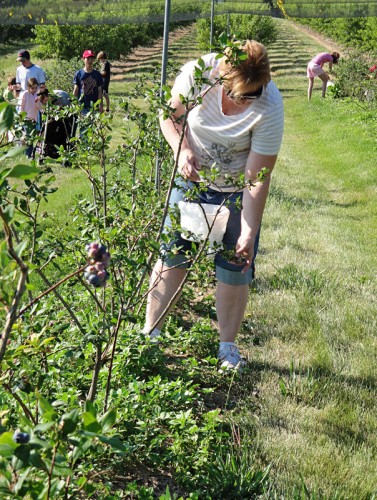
column 90, row 407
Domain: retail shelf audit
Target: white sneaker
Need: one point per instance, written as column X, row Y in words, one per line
column 231, row 359
column 155, row 337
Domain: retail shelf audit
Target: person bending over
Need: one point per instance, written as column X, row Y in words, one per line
column 237, row 126
column 315, row 68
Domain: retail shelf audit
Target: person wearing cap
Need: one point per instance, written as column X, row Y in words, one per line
column 88, row 83
column 28, row 70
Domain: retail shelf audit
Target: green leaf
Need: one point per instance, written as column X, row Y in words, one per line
column 4, row 256
column 6, row 117
column 21, row 457
column 4, row 174
column 90, row 422
column 19, row 249
column 36, row 460
column 108, row 420
column 8, row 213
column 90, row 408
column 7, row 444
column 69, row 422
column 21, row 480
column 24, row 172
column 45, row 408
column 114, row 442
column 5, row 486
column 13, row 152
column 44, row 427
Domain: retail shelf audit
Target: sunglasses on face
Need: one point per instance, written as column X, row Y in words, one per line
column 250, row 96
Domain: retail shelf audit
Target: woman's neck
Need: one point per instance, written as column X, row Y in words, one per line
column 229, row 107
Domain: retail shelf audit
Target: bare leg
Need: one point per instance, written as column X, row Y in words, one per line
column 107, row 99
column 325, row 78
column 310, row 88
column 164, row 283
column 231, row 301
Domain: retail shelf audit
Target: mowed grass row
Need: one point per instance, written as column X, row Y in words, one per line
column 311, row 329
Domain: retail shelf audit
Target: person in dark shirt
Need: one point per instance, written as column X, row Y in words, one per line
column 88, row 83
column 105, row 72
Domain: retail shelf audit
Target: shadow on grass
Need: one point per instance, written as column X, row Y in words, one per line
column 8, row 49
column 369, row 382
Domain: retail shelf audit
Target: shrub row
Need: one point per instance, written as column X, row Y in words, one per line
column 358, row 33
column 260, row 28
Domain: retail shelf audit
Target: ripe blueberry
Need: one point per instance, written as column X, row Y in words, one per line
column 94, row 280
column 21, row 437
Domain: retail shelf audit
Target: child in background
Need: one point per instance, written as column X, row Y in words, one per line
column 9, row 92
column 31, row 104
column 105, row 73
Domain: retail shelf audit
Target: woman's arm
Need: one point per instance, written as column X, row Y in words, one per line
column 254, row 200
column 172, row 129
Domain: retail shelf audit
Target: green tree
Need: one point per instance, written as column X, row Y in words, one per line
column 259, row 28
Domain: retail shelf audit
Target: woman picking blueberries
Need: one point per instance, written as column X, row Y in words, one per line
column 315, row 68
column 238, row 126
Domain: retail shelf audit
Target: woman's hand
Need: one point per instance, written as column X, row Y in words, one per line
column 245, row 250
column 188, row 166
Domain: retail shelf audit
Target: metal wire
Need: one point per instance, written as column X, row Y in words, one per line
column 141, row 11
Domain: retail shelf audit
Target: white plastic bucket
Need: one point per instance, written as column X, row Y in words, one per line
column 197, row 219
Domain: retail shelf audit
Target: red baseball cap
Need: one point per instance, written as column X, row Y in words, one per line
column 88, row 53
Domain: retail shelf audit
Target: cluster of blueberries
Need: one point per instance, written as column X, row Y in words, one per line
column 96, row 273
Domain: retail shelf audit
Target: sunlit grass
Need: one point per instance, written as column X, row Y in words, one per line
column 313, row 316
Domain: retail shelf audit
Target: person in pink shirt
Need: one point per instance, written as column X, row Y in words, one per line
column 315, row 68
column 31, row 104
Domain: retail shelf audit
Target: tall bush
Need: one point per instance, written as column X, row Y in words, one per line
column 66, row 42
column 358, row 33
column 259, row 28
column 15, row 32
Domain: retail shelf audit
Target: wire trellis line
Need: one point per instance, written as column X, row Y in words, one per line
column 143, row 11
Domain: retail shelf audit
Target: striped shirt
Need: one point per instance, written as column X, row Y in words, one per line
column 225, row 141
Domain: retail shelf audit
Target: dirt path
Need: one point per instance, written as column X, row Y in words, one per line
column 329, row 44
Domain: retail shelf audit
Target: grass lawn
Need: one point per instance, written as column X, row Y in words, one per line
column 310, row 333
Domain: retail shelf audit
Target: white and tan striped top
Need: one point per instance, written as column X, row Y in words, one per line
column 226, row 140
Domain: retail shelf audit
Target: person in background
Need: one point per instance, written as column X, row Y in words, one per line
column 105, row 73
column 88, row 83
column 32, row 103
column 315, row 68
column 9, row 92
column 28, row 70
column 237, row 126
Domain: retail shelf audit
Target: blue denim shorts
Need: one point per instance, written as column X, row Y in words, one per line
column 175, row 252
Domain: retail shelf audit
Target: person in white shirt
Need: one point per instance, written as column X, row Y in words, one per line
column 237, row 126
column 28, row 70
